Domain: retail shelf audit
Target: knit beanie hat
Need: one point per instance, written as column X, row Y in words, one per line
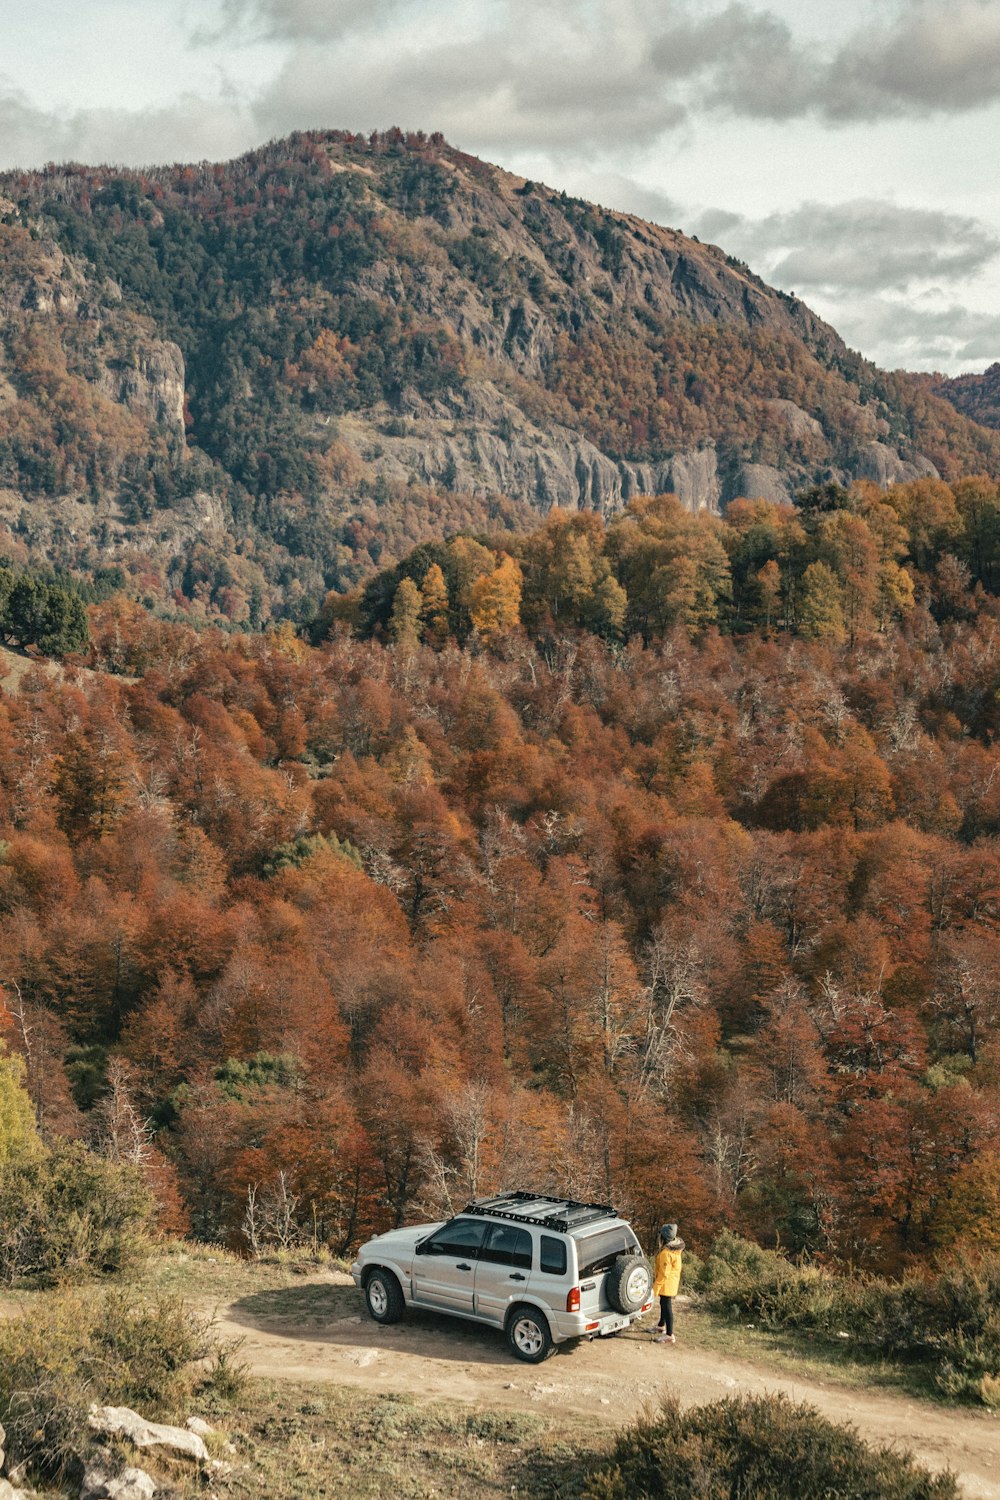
column 668, row 1233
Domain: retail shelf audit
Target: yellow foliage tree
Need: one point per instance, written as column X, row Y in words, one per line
column 821, row 607
column 971, row 1214
column 18, row 1136
column 434, row 605
column 495, row 600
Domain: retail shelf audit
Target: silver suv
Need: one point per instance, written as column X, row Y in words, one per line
column 543, row 1269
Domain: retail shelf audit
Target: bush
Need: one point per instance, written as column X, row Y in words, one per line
column 67, row 1214
column 949, row 1319
column 57, row 1360
column 760, row 1446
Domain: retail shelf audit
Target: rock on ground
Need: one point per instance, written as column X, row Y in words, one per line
column 130, row 1484
column 119, row 1421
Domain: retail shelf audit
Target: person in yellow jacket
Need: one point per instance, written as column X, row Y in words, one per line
column 667, row 1278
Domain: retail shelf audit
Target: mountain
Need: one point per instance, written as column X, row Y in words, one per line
column 248, row 383
column 975, row 396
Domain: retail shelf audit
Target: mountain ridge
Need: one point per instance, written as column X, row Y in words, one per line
column 383, row 339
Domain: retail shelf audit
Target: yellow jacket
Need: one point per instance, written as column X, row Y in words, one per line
column 667, row 1270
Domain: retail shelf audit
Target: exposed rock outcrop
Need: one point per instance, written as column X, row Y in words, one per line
column 884, row 465
column 759, row 482
column 121, row 1422
column 151, row 384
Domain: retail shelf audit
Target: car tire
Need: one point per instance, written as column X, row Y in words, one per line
column 528, row 1335
column 630, row 1283
column 384, row 1296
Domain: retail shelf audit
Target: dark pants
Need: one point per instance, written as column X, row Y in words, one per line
column 667, row 1314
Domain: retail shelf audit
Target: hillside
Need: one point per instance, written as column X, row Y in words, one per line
column 975, row 396
column 251, row 382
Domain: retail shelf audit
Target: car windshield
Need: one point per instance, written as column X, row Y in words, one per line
column 598, row 1252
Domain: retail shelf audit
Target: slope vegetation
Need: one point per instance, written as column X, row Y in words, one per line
column 385, row 340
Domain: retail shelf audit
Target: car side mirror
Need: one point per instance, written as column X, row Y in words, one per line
column 420, row 1248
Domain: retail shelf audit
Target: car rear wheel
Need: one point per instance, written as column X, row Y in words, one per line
column 630, row 1283
column 384, row 1296
column 528, row 1335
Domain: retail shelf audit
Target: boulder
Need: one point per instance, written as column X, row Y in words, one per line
column 3, row 1439
column 130, row 1484
column 200, row 1426
column 120, row 1422
column 8, row 1492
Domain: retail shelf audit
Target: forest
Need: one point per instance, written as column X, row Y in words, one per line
column 590, row 858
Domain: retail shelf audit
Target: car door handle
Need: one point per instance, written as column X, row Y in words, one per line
column 463, row 1267
column 516, row 1276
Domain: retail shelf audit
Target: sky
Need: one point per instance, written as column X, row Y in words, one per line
column 847, row 151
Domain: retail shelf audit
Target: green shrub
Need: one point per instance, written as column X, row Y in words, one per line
column 58, row 1359
column 504, row 1426
column 227, row 1377
column 66, row 1214
column 759, row 1446
column 948, row 1319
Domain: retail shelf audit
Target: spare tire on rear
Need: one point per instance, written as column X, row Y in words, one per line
column 629, row 1285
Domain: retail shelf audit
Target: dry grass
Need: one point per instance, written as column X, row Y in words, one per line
column 310, row 1442
column 811, row 1356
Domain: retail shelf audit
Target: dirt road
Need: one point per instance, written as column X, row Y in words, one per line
column 320, row 1331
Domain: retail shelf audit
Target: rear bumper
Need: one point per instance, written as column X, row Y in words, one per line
column 584, row 1326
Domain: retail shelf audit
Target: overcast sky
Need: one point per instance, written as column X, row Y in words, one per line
column 849, row 156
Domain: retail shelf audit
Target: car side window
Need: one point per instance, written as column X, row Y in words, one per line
column 508, row 1246
column 552, row 1257
column 459, row 1237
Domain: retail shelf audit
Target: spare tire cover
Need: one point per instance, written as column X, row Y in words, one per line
column 629, row 1283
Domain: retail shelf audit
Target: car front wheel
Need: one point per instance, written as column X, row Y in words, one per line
column 528, row 1335
column 384, row 1297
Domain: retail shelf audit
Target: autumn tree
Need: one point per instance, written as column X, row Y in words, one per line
column 404, row 623
column 434, row 605
column 495, row 601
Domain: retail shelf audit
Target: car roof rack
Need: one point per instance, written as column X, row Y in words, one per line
column 561, row 1214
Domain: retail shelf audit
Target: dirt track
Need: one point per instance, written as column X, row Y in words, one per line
column 320, row 1332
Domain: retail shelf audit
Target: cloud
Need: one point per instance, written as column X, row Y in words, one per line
column 616, row 190
column 188, row 129
column 941, row 57
column 301, row 20
column 744, row 60
column 579, row 76
column 533, row 77
column 866, row 245
column 922, row 334
column 927, row 57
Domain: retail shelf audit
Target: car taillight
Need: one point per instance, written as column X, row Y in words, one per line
column 573, row 1299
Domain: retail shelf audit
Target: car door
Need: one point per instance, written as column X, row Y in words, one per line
column 444, row 1266
column 502, row 1271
